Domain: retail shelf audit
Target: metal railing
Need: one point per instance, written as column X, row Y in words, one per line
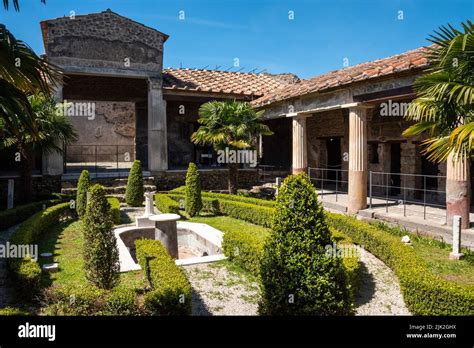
column 269, row 173
column 381, row 186
column 333, row 179
column 99, row 158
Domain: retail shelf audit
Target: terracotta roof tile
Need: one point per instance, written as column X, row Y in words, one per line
column 415, row 59
column 214, row 81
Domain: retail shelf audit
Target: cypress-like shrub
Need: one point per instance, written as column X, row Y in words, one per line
column 298, row 277
column 193, row 201
column 81, row 196
column 101, row 258
column 134, row 192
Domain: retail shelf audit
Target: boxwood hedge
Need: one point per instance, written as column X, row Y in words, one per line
column 171, row 290
column 424, row 292
column 114, row 209
column 166, row 204
column 25, row 271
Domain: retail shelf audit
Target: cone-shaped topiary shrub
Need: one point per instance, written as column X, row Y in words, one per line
column 298, row 277
column 81, row 196
column 134, row 192
column 101, row 258
column 193, row 200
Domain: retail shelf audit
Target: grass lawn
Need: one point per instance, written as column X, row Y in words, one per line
column 65, row 242
column 436, row 255
column 227, row 223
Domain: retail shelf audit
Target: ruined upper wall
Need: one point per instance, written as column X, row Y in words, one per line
column 103, row 43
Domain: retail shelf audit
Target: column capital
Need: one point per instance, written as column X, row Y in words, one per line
column 154, row 83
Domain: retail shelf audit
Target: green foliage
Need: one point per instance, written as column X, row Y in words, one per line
column 229, row 197
column 165, row 204
column 298, row 278
column 115, row 209
column 20, row 213
column 11, row 311
column 193, row 201
column 134, row 192
column 80, row 300
column 101, row 259
column 443, row 109
column 259, row 215
column 81, row 195
column 424, row 292
column 25, row 272
column 245, row 248
column 171, row 290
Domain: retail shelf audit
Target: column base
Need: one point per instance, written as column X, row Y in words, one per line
column 457, row 202
column 295, row 171
column 357, row 191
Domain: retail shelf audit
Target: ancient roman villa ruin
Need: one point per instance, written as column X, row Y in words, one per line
column 344, row 127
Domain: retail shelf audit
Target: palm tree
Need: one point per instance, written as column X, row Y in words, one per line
column 16, row 4
column 231, row 124
column 52, row 130
column 443, row 109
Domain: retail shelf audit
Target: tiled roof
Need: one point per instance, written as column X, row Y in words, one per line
column 224, row 82
column 415, row 59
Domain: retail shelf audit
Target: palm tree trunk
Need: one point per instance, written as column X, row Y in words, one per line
column 233, row 178
column 26, row 174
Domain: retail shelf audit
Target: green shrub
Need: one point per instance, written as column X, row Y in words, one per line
column 165, row 204
column 101, row 259
column 245, row 248
column 134, row 192
column 229, row 197
column 209, row 205
column 20, row 213
column 259, row 215
column 298, row 278
column 424, row 292
column 10, row 311
column 115, row 210
column 121, row 302
column 25, row 272
column 171, row 294
column 193, row 201
column 81, row 196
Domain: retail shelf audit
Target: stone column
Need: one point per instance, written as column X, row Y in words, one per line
column 157, row 144
column 53, row 162
column 357, row 160
column 458, row 189
column 299, row 145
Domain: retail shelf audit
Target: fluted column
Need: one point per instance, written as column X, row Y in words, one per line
column 299, row 145
column 157, row 142
column 357, row 160
column 53, row 162
column 458, row 189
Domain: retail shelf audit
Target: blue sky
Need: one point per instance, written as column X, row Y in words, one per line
column 260, row 33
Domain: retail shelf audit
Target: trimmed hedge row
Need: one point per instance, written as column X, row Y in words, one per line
column 115, row 209
column 259, row 215
column 171, row 294
column 245, row 248
column 12, row 311
column 424, row 292
column 210, row 205
column 229, row 197
column 87, row 300
column 25, row 272
column 165, row 204
column 16, row 215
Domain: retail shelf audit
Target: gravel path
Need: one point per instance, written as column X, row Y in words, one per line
column 379, row 292
column 219, row 291
column 7, row 297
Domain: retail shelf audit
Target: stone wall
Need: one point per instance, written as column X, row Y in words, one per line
column 103, row 40
column 42, row 186
column 113, row 124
